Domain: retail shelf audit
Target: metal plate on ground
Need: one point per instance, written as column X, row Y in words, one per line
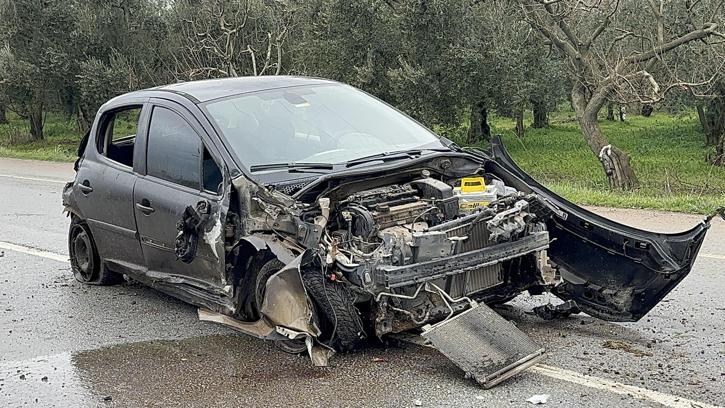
column 486, row 346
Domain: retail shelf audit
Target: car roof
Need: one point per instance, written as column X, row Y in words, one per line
column 208, row 89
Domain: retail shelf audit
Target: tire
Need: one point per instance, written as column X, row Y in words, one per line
column 341, row 319
column 84, row 259
column 265, row 272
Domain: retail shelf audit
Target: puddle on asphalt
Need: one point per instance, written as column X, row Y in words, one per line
column 226, row 370
column 45, row 381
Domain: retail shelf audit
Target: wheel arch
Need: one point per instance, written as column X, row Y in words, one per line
column 252, row 252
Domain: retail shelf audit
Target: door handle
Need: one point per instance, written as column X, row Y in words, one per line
column 145, row 207
column 85, row 187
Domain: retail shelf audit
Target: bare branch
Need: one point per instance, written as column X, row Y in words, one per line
column 705, row 32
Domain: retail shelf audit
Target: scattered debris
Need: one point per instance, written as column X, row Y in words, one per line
column 538, row 399
column 560, row 311
column 379, row 360
column 624, row 346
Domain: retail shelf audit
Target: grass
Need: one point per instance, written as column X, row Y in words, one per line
column 667, row 154
column 60, row 143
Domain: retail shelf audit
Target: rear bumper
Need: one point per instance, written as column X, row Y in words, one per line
column 398, row 276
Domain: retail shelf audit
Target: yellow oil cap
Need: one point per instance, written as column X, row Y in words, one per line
column 473, row 185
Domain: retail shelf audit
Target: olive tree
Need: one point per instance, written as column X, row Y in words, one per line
column 612, row 48
column 113, row 53
column 34, row 61
column 349, row 41
column 226, row 38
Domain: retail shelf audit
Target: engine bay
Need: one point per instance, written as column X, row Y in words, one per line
column 403, row 223
column 424, row 249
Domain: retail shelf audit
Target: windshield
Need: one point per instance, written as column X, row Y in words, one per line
column 314, row 124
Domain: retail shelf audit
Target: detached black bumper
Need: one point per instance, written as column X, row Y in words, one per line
column 399, row 276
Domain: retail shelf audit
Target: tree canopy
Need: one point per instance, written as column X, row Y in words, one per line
column 444, row 62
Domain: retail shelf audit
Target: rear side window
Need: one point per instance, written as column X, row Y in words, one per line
column 118, row 134
column 174, row 149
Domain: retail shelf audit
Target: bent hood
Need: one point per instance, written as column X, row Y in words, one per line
column 612, row 271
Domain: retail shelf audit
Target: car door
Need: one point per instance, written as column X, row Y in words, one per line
column 612, row 271
column 180, row 171
column 105, row 181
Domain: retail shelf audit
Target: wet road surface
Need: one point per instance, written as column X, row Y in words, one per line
column 65, row 344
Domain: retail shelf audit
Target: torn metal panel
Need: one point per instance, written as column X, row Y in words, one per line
column 191, row 227
column 286, row 313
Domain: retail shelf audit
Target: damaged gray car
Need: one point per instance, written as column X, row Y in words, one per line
column 309, row 213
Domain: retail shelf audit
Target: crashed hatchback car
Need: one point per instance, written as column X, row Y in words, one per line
column 307, row 212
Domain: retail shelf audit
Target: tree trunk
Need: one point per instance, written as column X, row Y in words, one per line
column 720, row 151
column 479, row 131
column 647, row 110
column 616, row 162
column 622, row 113
column 705, row 123
column 610, row 111
column 713, row 121
column 716, row 128
column 3, row 116
column 541, row 115
column 520, row 128
column 82, row 120
column 35, row 117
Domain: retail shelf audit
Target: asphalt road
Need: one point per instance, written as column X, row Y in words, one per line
column 65, row 344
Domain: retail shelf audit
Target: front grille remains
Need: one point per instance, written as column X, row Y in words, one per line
column 478, row 237
column 476, row 280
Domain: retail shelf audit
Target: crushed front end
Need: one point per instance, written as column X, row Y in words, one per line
column 429, row 244
column 416, row 255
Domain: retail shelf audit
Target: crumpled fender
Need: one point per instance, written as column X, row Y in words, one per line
column 287, row 313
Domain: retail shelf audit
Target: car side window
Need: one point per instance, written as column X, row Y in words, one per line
column 211, row 174
column 174, row 149
column 117, row 135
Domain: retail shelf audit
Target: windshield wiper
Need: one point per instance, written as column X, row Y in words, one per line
column 291, row 166
column 390, row 156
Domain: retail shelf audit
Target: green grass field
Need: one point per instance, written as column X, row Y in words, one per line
column 667, row 155
column 60, row 144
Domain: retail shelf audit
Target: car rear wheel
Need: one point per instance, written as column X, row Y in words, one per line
column 265, row 272
column 84, row 259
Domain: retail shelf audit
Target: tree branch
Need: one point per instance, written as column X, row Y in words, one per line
column 708, row 30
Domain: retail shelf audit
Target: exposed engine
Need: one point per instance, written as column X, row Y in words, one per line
column 421, row 221
column 393, row 241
